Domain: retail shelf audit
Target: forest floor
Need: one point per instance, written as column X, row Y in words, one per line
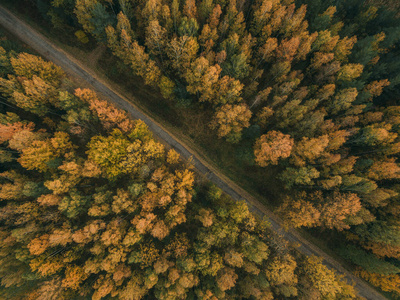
column 85, row 75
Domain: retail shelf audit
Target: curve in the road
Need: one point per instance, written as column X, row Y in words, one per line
column 47, row 49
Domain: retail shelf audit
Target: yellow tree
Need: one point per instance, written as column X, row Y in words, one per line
column 41, row 154
column 108, row 152
column 385, row 169
column 298, row 212
column 83, row 12
column 201, row 78
column 108, row 114
column 121, row 42
column 343, row 100
column 229, row 120
column 337, row 210
column 343, row 48
column 156, row 38
column 207, row 39
column 28, row 65
column 182, row 52
column 167, row 87
column 280, row 273
column 34, row 95
column 318, row 279
column 271, row 147
column 310, row 148
column 350, row 72
column 227, row 90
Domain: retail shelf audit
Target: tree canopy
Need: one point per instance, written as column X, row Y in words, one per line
column 91, row 206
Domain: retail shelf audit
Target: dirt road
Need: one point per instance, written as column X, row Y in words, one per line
column 47, row 49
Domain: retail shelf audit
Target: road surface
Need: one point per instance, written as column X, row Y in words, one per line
column 70, row 65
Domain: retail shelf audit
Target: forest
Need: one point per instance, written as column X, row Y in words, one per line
column 93, row 207
column 305, row 90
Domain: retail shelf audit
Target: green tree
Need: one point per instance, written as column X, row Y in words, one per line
column 230, row 120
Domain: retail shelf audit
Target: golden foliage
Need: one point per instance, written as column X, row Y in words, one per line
column 272, row 146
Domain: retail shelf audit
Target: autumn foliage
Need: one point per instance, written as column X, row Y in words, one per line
column 304, row 95
column 271, row 147
column 93, row 207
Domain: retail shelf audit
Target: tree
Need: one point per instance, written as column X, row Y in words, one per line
column 343, row 100
column 375, row 88
column 291, row 113
column 262, row 13
column 188, row 27
column 267, row 51
column 310, row 149
column 383, row 232
column 190, row 9
column 103, row 208
column 109, row 115
column 337, row 209
column 272, row 146
column 343, row 48
column 83, row 11
column 39, row 245
column 125, row 47
column 350, row 72
column 206, row 41
column 201, row 78
column 375, row 136
column 167, row 87
column 30, row 66
column 230, row 120
column 156, row 38
column 205, row 7
column 378, row 197
column 320, row 58
column 286, row 51
column 227, row 90
column 9, row 130
column 4, row 62
column 42, row 155
column 299, row 212
column 117, row 155
column 108, row 152
column 388, row 283
column 226, row 279
column 34, row 94
column 383, row 170
column 322, row 279
column 182, row 52
column 281, row 273
column 337, row 139
column 74, row 277
column 48, row 290
column 301, row 176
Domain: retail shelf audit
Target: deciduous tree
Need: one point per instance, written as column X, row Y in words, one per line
column 272, row 146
